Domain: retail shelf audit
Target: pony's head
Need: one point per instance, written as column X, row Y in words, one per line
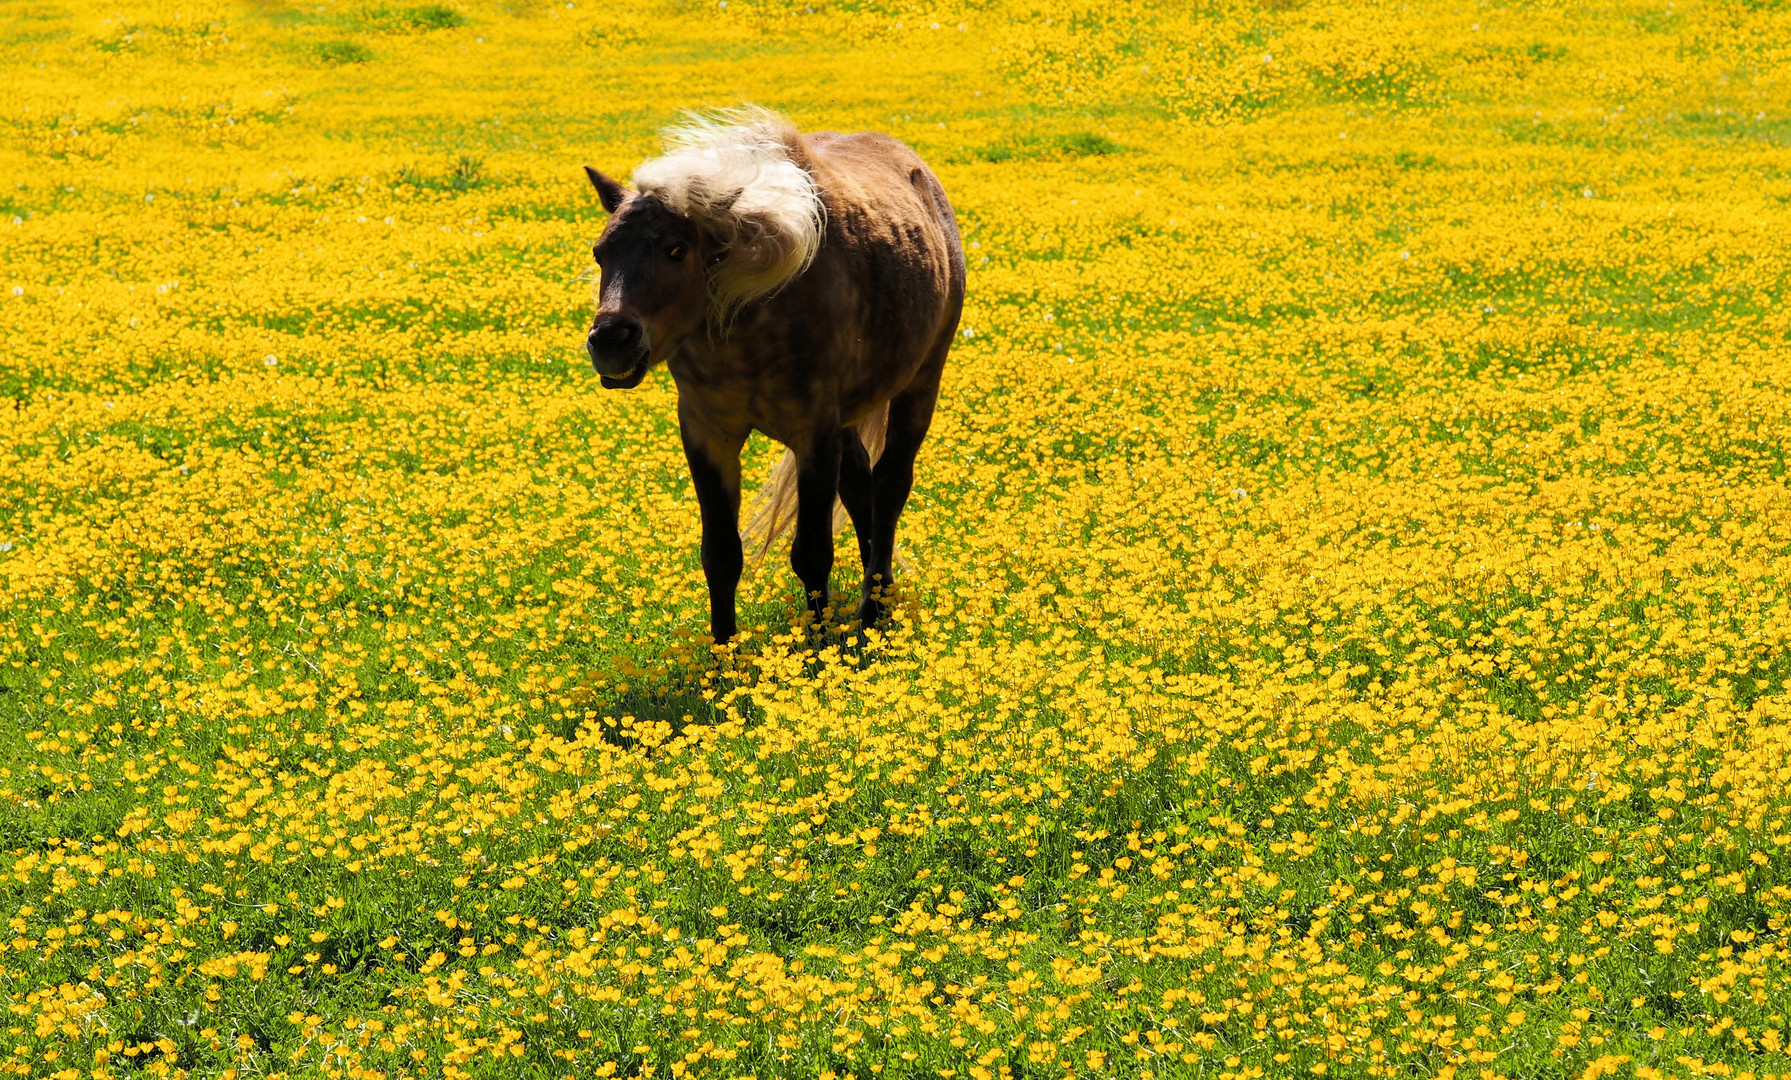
column 725, row 217
column 651, row 290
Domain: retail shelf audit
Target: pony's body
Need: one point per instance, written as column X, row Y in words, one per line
column 852, row 337
column 856, row 328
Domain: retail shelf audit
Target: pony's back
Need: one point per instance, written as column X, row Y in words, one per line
column 886, row 195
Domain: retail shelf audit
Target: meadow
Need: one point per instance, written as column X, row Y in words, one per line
column 1346, row 625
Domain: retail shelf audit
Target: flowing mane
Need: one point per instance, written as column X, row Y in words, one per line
column 731, row 172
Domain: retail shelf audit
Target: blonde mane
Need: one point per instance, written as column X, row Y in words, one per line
column 731, row 172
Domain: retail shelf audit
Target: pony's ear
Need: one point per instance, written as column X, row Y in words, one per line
column 609, row 193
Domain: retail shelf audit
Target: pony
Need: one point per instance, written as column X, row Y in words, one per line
column 807, row 286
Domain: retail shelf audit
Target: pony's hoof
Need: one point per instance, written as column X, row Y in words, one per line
column 868, row 613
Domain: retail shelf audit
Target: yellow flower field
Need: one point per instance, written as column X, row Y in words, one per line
column 1346, row 629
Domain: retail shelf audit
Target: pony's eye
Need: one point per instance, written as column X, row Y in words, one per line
column 677, row 253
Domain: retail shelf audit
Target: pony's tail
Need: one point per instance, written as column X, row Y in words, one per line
column 773, row 509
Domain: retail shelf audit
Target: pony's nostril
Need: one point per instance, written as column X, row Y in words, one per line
column 616, row 336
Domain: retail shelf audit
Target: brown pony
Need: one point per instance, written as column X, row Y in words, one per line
column 806, row 286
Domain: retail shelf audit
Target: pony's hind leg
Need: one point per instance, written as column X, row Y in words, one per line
column 817, row 485
column 910, row 415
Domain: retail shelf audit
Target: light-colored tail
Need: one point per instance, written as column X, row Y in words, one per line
column 773, row 509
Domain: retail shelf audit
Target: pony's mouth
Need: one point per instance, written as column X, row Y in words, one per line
column 625, row 382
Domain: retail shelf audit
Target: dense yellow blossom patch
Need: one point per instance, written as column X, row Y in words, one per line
column 1345, row 630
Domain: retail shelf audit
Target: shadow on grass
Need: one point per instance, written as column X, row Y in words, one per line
column 648, row 716
column 634, row 701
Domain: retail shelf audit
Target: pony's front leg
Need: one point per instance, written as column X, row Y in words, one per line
column 856, row 493
column 714, row 458
column 817, row 484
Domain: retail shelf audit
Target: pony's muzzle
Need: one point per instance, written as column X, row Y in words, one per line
column 617, row 345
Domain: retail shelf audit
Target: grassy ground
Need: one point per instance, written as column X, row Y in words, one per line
column 1346, row 631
